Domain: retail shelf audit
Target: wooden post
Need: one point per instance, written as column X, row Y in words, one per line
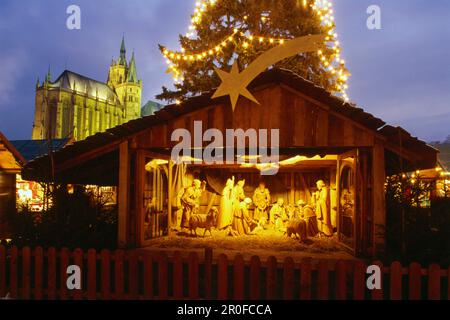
column 288, row 279
column 92, row 274
column 193, row 276
column 177, row 275
column 271, row 280
column 123, row 195
column 38, row 273
column 305, row 279
column 292, row 191
column 396, row 281
column 222, row 278
column 119, row 257
column 379, row 201
column 239, row 278
column 170, row 195
column 2, row 271
column 26, row 273
column 105, row 278
column 13, row 276
column 51, row 274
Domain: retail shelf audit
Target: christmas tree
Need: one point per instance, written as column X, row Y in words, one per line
column 225, row 31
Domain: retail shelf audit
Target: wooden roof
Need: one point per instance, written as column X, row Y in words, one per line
column 397, row 140
column 11, row 161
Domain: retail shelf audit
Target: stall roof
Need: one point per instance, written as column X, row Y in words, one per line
column 111, row 138
column 32, row 149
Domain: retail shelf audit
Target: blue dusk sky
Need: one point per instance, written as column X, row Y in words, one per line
column 400, row 73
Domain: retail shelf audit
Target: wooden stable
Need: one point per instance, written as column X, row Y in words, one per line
column 335, row 140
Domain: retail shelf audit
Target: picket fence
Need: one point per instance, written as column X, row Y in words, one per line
column 133, row 274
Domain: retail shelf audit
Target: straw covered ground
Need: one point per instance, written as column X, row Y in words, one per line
column 264, row 243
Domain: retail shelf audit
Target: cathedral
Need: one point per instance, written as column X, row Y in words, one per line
column 75, row 106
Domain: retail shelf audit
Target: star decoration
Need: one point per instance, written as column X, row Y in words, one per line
column 234, row 83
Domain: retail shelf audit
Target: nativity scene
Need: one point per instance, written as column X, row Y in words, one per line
column 332, row 164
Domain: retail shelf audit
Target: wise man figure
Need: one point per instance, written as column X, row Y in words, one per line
column 191, row 202
column 307, row 213
column 322, row 209
column 243, row 223
column 225, row 217
column 278, row 215
column 261, row 200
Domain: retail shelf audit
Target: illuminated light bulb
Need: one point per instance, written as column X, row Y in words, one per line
column 261, row 39
column 271, row 40
column 245, row 45
column 281, row 41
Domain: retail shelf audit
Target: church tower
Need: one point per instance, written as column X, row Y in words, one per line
column 123, row 80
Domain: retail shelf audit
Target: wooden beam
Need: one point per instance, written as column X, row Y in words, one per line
column 123, row 194
column 86, row 156
column 379, row 201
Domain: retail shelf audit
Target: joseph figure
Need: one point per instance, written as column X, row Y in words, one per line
column 323, row 209
column 261, row 200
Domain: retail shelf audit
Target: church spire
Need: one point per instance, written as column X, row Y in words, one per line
column 123, row 53
column 48, row 77
column 132, row 74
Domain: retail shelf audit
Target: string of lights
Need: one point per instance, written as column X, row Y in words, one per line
column 333, row 62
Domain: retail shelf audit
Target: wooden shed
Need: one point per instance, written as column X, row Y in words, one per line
column 321, row 137
column 11, row 162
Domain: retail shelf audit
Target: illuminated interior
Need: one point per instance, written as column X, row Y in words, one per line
column 296, row 183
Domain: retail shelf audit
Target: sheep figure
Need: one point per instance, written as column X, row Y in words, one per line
column 203, row 221
column 297, row 227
